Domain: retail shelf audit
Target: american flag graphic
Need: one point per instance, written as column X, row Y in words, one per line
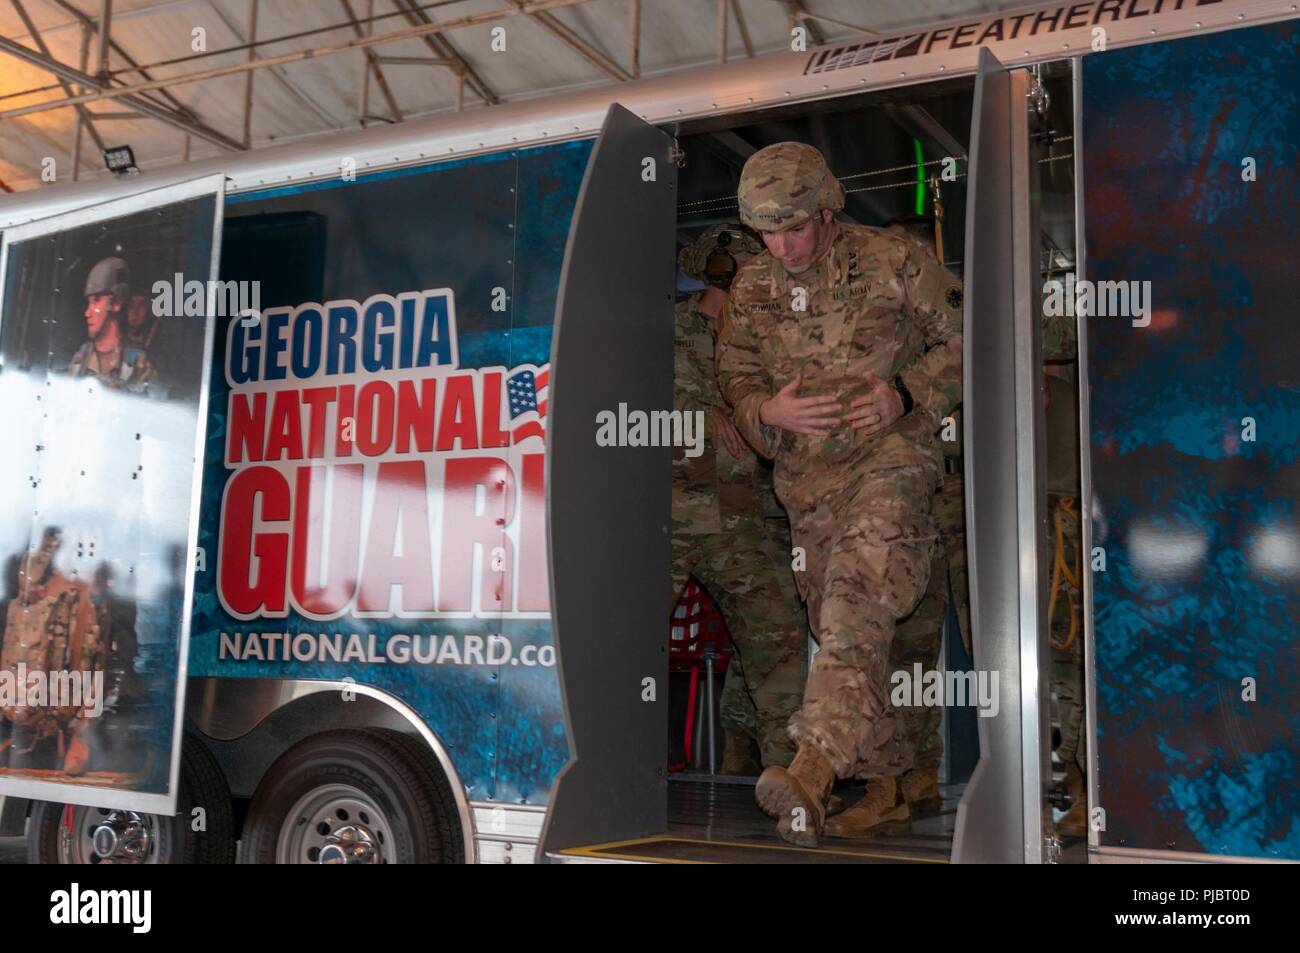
column 526, row 392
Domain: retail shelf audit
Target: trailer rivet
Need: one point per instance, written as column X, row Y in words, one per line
column 1197, row 24
column 1153, row 32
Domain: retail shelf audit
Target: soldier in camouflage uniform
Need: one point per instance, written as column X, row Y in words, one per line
column 720, row 535
column 842, row 356
column 51, row 625
column 112, row 354
column 1065, row 604
column 919, row 637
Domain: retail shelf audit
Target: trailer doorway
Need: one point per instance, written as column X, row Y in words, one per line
column 891, row 150
column 887, row 146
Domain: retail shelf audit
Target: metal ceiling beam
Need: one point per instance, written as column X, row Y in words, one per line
column 77, row 122
column 248, row 80
column 125, row 94
column 722, row 31
column 444, row 47
column 634, row 40
column 743, row 28
column 413, row 61
column 585, row 49
column 477, row 19
column 796, row 13
column 83, row 115
column 809, row 15
column 278, row 73
column 90, row 23
column 105, row 24
column 372, row 60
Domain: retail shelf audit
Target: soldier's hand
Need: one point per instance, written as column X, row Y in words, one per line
column 877, row 409
column 725, row 431
column 815, row 416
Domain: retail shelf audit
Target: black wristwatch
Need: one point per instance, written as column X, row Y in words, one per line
column 904, row 393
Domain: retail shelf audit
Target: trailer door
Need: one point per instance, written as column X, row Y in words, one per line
column 100, row 489
column 608, row 506
column 1001, row 815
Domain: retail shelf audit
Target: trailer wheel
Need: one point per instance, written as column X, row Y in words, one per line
column 74, row 834
column 354, row 796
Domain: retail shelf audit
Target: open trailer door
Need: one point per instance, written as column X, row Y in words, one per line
column 608, row 506
column 1001, row 814
column 105, row 341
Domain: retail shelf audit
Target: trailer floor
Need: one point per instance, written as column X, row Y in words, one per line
column 715, row 821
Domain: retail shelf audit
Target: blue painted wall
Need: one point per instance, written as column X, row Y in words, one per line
column 1197, row 508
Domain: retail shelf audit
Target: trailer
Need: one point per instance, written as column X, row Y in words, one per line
column 408, row 610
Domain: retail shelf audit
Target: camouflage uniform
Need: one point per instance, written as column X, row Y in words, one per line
column 1064, row 548
column 859, row 506
column 125, row 368
column 721, row 538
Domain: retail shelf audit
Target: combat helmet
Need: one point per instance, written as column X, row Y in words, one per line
column 712, row 256
column 109, row 276
column 784, row 185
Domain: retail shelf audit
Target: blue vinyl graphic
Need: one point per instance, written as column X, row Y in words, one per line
column 373, row 504
column 1190, row 155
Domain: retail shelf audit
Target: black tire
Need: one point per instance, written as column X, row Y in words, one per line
column 173, row 840
column 415, row 819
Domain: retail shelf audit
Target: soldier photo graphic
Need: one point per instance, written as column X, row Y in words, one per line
column 116, row 324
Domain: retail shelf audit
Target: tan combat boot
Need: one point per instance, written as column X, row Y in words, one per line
column 736, row 756
column 796, row 798
column 1075, row 821
column 920, row 789
column 881, row 809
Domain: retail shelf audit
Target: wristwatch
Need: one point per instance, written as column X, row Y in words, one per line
column 904, row 393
